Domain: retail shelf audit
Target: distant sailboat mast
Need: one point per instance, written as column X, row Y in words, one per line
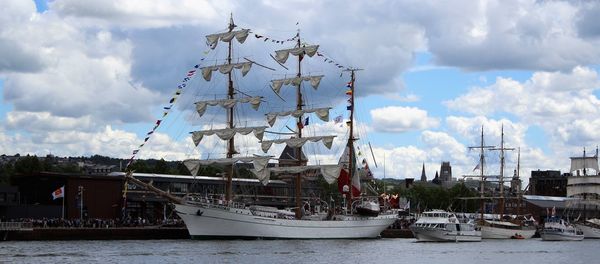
column 501, row 176
column 481, row 165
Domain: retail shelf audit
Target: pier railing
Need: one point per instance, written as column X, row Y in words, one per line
column 11, row 226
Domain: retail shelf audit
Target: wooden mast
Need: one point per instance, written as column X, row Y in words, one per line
column 299, row 125
column 501, row 176
column 481, row 148
column 351, row 139
column 230, row 123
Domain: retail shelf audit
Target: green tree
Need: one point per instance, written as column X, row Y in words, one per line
column 140, row 166
column 28, row 165
column 161, row 167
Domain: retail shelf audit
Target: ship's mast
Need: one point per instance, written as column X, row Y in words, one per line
column 519, row 189
column 501, row 176
column 351, row 139
column 299, row 128
column 481, row 148
column 230, row 123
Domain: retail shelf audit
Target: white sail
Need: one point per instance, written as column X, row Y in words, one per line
column 330, row 172
column 282, row 55
column 228, row 103
column 322, row 113
column 226, row 68
column 580, row 163
column 297, row 142
column 213, row 39
column 193, row 165
column 228, row 133
column 295, row 81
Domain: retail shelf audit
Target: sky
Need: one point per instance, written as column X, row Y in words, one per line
column 79, row 78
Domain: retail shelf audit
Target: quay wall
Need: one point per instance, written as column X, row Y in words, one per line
column 125, row 233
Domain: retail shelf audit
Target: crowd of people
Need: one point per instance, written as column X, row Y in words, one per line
column 96, row 222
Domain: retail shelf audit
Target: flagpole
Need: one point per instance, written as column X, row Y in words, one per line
column 63, row 207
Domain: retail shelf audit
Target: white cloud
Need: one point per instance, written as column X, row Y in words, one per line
column 562, row 104
column 401, row 119
column 139, row 13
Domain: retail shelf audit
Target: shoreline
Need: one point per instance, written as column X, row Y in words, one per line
column 126, row 233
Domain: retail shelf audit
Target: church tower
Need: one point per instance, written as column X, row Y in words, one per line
column 423, row 176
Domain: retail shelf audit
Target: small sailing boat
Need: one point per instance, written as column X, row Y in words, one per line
column 228, row 218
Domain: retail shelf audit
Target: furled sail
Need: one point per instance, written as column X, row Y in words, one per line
column 580, row 163
column 226, row 68
column 193, row 165
column 228, row 103
column 295, row 81
column 213, row 39
column 228, row 133
column 282, row 55
column 330, row 172
column 322, row 113
column 297, row 142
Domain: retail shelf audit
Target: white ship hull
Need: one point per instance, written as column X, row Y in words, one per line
column 423, row 234
column 493, row 232
column 588, row 231
column 560, row 236
column 213, row 221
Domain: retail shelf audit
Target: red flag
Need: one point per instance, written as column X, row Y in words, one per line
column 59, row 193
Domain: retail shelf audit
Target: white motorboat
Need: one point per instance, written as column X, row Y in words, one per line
column 442, row 226
column 557, row 229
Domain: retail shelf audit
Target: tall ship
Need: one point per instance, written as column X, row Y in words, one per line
column 582, row 188
column 225, row 216
column 505, row 227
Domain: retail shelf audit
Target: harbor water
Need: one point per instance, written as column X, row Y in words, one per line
column 299, row 251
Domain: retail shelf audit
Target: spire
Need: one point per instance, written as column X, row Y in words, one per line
column 423, row 176
column 436, row 180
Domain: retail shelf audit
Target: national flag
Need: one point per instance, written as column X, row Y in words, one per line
column 59, row 193
column 349, row 84
column 348, row 92
column 306, row 121
column 344, row 178
column 338, row 119
column 477, row 167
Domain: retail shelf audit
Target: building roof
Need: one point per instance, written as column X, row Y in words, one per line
column 548, row 201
